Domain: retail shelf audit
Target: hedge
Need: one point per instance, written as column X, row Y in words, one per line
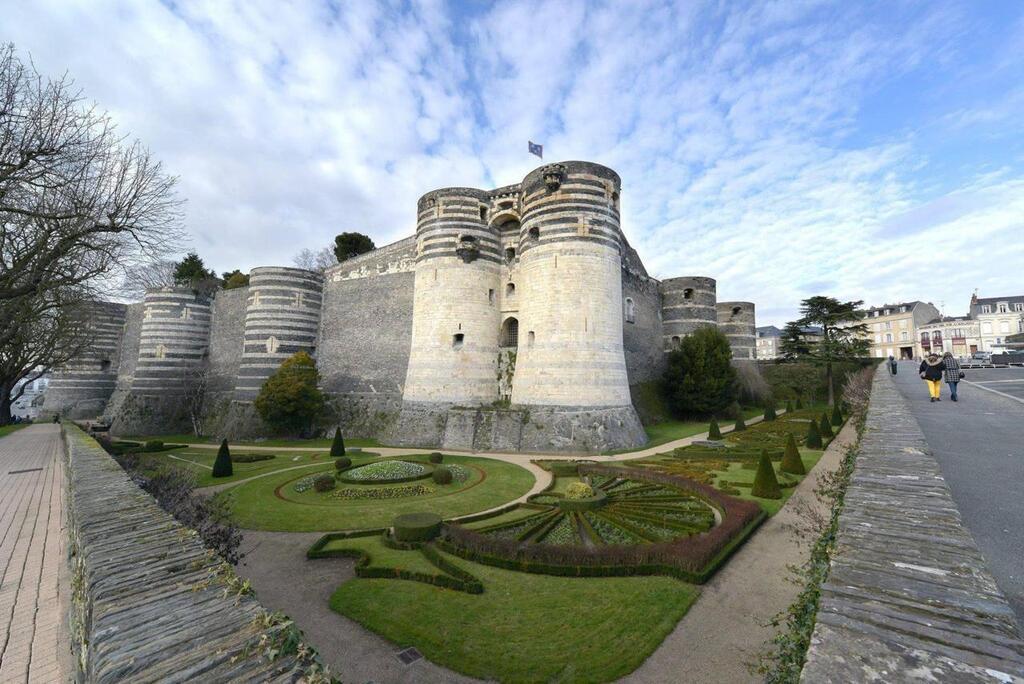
column 414, row 527
column 251, row 458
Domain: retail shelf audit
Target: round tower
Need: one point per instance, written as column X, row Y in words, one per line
column 282, row 316
column 687, row 303
column 82, row 387
column 737, row 323
column 570, row 314
column 456, row 318
column 174, row 338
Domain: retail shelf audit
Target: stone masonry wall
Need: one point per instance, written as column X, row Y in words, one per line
column 150, row 603
column 909, row 596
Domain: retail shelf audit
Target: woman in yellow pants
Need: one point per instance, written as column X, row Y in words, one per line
column 931, row 370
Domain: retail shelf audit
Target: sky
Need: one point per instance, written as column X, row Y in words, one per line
column 864, row 150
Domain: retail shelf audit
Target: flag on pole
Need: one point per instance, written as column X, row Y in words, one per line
column 535, row 148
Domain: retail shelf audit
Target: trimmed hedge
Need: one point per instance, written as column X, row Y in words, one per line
column 342, row 463
column 837, row 416
column 436, row 457
column 740, row 424
column 338, row 444
column 585, row 504
column 714, row 432
column 251, row 458
column 222, row 464
column 442, row 475
column 791, row 461
column 766, row 485
column 813, row 439
column 415, row 527
column 825, row 427
column 317, row 549
column 769, row 412
column 323, row 483
column 153, row 445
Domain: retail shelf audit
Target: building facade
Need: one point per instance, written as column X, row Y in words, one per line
column 768, row 337
column 998, row 318
column 517, row 318
column 959, row 335
column 894, row 329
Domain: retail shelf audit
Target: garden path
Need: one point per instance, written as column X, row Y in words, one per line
column 34, row 579
column 731, row 621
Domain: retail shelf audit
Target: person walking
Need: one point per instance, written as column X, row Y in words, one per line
column 931, row 371
column 951, row 371
column 893, row 366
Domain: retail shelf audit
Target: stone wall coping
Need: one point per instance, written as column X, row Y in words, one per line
column 909, row 595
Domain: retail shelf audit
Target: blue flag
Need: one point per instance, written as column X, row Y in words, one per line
column 536, row 149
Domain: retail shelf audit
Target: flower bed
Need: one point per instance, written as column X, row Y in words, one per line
column 382, row 492
column 382, row 472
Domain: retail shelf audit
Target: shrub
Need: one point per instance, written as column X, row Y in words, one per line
column 825, row 427
column 837, row 416
column 338, row 445
column 579, row 490
column 714, row 432
column 342, row 463
column 769, row 412
column 740, row 424
column 791, row 462
column 700, row 378
column 153, row 445
column 290, row 401
column 813, row 440
column 436, row 457
column 416, row 527
column 323, row 483
column 766, row 485
column 222, row 465
column 799, row 403
column 251, row 458
column 442, row 476
column 789, row 406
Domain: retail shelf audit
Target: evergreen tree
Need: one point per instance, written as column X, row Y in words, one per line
column 348, row 245
column 714, row 432
column 825, row 427
column 789, row 406
column 222, row 465
column 191, row 271
column 290, row 401
column 699, row 378
column 234, row 279
column 338, row 445
column 837, row 416
column 799, row 403
column 791, row 461
column 769, row 412
column 740, row 424
column 843, row 334
column 766, row 485
column 813, row 440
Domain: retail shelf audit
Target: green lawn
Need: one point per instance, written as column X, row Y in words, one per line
column 200, row 461
column 8, row 429
column 524, row 627
column 256, row 506
column 188, row 438
column 736, row 473
column 384, row 556
column 671, row 430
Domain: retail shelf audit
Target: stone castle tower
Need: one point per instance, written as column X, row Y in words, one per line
column 514, row 319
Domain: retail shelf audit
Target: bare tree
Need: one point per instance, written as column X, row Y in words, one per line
column 79, row 206
column 148, row 276
column 315, row 260
column 195, row 380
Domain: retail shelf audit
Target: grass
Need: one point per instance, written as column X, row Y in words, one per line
column 670, row 430
column 524, row 627
column 200, row 462
column 735, row 472
column 255, row 505
column 8, row 429
column 384, row 556
column 188, row 438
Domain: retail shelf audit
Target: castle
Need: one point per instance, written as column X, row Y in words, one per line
column 515, row 319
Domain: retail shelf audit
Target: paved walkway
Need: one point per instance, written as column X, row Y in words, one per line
column 979, row 445
column 34, row 581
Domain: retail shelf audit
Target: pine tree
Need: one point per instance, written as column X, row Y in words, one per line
column 769, row 412
column 791, row 462
column 766, row 485
column 699, row 378
column 338, row 445
column 826, row 427
column 813, row 440
column 740, row 425
column 222, row 466
column 837, row 416
column 714, row 432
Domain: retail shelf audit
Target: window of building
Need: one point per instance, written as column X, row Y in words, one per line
column 483, row 213
column 160, row 351
column 1018, row 306
column 510, row 290
column 105, row 365
column 1002, row 307
column 630, row 311
column 534, row 233
column 510, row 253
column 688, row 293
column 457, row 340
column 904, row 336
column 510, row 333
column 986, row 328
column 530, row 338
column 1004, row 326
column 272, row 345
column 675, row 340
column 490, row 296
column 985, row 308
column 888, row 337
column 736, row 310
column 888, row 325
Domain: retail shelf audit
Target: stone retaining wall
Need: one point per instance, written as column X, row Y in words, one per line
column 150, row 603
column 909, row 596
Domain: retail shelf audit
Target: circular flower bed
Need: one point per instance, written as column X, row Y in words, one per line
column 386, row 471
column 382, row 492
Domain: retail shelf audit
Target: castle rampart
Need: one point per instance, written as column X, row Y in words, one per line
column 688, row 303
column 736, row 321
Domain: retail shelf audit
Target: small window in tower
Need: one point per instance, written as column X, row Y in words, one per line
column 105, row 365
column 736, row 310
column 483, row 213
column 272, row 344
column 534, row 233
column 490, row 296
column 675, row 340
column 615, row 201
column 530, row 338
column 510, row 253
column 688, row 293
column 160, row 351
column 630, row 311
column 457, row 340
column 510, row 290
column 510, row 333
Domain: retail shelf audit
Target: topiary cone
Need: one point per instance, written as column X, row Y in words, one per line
column 769, row 412
column 791, row 462
column 714, row 432
column 799, row 403
column 740, row 425
column 813, row 440
column 837, row 416
column 826, row 427
column 222, row 465
column 338, row 445
column 789, row 406
column 766, row 485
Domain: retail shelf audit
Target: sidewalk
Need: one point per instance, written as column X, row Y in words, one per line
column 34, row 578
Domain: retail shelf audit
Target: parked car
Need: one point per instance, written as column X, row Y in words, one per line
column 984, row 357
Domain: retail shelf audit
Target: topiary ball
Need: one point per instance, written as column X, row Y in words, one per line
column 442, row 476
column 436, row 457
column 323, row 483
column 342, row 463
column 154, row 445
column 579, row 490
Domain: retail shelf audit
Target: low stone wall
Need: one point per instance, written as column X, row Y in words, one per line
column 150, row 603
column 908, row 597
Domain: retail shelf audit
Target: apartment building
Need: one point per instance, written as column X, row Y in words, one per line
column 768, row 342
column 960, row 335
column 894, row 329
column 998, row 318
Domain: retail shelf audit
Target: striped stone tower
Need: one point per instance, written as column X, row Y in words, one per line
column 82, row 388
column 570, row 315
column 282, row 316
column 687, row 303
column 174, row 339
column 454, row 353
column 736, row 321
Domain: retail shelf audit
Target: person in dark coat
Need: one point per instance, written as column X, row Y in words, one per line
column 952, row 373
column 893, row 366
column 931, row 371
